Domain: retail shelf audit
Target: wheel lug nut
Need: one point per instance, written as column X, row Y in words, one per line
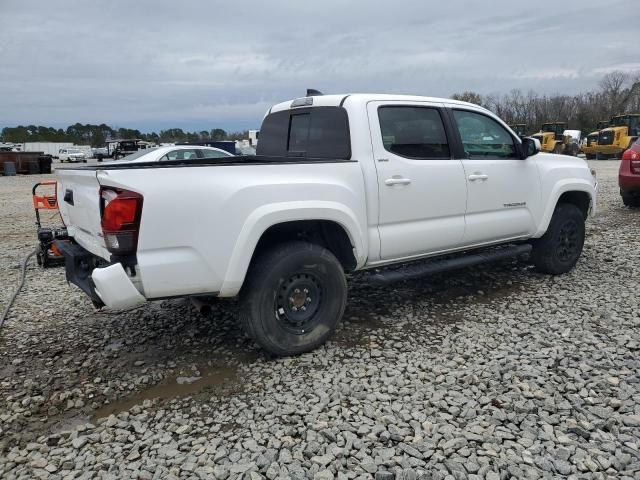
column 303, row 308
column 297, row 290
column 308, row 299
column 306, row 290
column 295, row 309
column 291, row 299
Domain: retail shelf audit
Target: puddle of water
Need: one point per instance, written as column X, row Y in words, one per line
column 221, row 378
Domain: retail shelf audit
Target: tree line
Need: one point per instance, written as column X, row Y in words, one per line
column 98, row 135
column 617, row 93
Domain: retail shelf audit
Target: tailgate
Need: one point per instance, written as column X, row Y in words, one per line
column 79, row 203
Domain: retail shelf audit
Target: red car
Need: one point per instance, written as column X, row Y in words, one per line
column 629, row 176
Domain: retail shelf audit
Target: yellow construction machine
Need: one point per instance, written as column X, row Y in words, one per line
column 622, row 131
column 591, row 143
column 553, row 140
column 519, row 129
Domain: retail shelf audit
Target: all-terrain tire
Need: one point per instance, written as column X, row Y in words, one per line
column 559, row 249
column 293, row 297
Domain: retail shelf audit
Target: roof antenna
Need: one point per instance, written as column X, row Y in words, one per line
column 312, row 92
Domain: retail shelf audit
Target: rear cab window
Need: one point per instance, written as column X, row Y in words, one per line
column 306, row 133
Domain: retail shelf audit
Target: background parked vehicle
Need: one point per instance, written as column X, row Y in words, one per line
column 589, row 147
column 629, row 176
column 100, row 153
column 520, row 129
column 71, row 155
column 619, row 136
column 124, row 147
column 227, row 145
column 175, row 153
column 553, row 139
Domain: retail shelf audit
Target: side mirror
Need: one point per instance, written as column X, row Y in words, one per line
column 530, row 147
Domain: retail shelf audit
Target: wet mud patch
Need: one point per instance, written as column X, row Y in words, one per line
column 217, row 380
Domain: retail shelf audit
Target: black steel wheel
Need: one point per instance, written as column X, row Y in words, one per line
column 293, row 297
column 567, row 241
column 299, row 302
column 559, row 249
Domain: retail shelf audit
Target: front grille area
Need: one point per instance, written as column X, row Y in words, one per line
column 606, row 137
column 591, row 139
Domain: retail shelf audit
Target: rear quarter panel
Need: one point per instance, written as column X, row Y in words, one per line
column 200, row 224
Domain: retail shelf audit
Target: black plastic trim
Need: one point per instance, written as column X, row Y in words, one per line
column 440, row 264
column 344, row 99
column 79, row 263
column 212, row 162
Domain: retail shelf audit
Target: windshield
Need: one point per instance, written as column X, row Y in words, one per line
column 139, row 153
column 620, row 121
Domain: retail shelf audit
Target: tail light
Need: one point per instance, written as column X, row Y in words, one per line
column 635, row 166
column 121, row 213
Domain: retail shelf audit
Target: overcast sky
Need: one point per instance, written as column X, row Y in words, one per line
column 205, row 64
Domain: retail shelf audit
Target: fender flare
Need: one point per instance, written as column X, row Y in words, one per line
column 561, row 187
column 272, row 214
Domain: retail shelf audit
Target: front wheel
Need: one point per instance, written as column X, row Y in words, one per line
column 559, row 249
column 293, row 298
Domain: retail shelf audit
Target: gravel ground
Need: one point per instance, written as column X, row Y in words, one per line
column 487, row 373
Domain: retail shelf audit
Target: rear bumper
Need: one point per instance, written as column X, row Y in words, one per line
column 106, row 285
column 629, row 182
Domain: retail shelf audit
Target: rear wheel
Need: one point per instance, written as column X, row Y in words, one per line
column 630, row 200
column 293, row 298
column 559, row 249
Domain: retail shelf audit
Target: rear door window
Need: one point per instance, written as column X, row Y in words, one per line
column 413, row 132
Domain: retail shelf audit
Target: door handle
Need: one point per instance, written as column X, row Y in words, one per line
column 478, row 176
column 397, row 181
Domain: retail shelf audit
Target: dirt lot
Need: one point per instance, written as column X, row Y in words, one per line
column 487, row 373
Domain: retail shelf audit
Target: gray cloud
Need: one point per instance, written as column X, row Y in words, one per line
column 152, row 64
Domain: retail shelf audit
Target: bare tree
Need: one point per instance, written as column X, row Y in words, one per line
column 617, row 92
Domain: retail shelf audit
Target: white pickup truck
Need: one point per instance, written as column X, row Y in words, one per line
column 340, row 183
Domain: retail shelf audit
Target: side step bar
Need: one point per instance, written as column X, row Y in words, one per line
column 442, row 265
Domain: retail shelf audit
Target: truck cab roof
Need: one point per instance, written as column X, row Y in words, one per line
column 336, row 100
